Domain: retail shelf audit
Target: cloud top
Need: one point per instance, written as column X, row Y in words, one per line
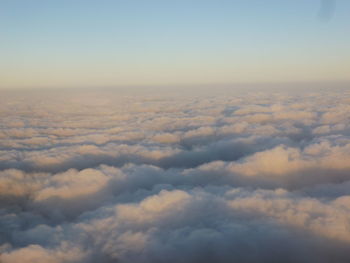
column 239, row 177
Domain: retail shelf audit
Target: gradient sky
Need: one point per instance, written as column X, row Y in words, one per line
column 71, row 43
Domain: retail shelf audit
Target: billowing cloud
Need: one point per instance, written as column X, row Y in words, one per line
column 119, row 177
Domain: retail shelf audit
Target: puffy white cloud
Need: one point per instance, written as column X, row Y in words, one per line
column 38, row 254
column 236, row 177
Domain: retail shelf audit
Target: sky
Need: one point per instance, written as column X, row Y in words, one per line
column 76, row 43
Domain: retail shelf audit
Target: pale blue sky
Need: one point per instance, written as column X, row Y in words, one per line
column 68, row 43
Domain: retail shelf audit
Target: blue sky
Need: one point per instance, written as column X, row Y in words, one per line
column 68, row 43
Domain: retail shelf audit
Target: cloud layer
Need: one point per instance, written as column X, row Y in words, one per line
column 104, row 176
